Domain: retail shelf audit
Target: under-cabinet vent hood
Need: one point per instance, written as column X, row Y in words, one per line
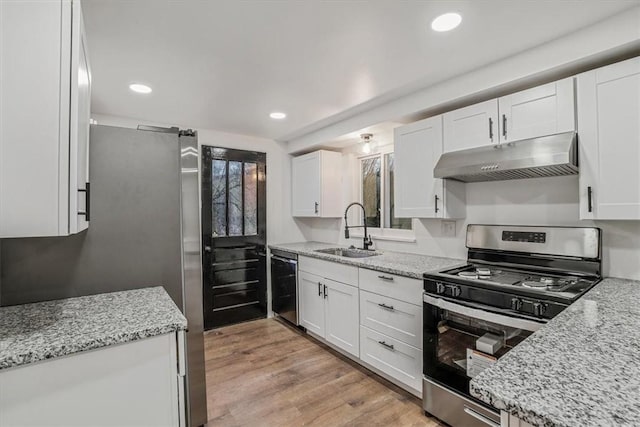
column 553, row 155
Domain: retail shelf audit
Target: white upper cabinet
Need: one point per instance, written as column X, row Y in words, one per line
column 472, row 126
column 539, row 111
column 45, row 92
column 317, row 185
column 609, row 131
column 417, row 148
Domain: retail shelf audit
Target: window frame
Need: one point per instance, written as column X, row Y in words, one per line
column 382, row 232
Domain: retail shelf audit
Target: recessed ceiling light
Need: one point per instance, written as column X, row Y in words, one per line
column 446, row 22
column 277, row 115
column 140, row 88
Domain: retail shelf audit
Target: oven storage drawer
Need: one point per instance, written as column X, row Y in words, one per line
column 392, row 317
column 335, row 271
column 395, row 358
column 394, row 286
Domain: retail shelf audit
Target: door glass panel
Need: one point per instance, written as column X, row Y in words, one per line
column 250, row 198
column 235, row 199
column 390, row 220
column 371, row 190
column 219, row 197
column 457, row 343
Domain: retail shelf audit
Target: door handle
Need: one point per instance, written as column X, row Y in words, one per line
column 87, row 201
column 316, row 207
column 504, row 126
column 325, row 291
column 319, row 289
column 436, row 200
column 491, row 129
column 385, row 345
column 590, row 199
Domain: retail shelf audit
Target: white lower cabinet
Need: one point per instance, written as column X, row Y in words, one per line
column 135, row 383
column 329, row 309
column 393, row 357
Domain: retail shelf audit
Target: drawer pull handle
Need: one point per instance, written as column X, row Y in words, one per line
column 388, row 307
column 385, row 345
column 389, row 278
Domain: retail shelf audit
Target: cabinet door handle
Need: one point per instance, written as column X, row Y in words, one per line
column 436, row 200
column 389, row 278
column 589, row 199
column 388, row 307
column 319, row 289
column 325, row 291
column 87, row 201
column 385, row 345
column 491, row 129
column 316, row 207
column 504, row 126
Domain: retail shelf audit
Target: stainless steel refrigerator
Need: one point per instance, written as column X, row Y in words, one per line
column 144, row 230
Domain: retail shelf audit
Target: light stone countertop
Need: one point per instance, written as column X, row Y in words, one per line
column 400, row 263
column 581, row 369
column 33, row 332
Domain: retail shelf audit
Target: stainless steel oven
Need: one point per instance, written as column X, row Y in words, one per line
column 461, row 340
column 516, row 278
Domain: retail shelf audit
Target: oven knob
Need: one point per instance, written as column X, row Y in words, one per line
column 516, row 304
column 456, row 291
column 440, row 288
column 539, row 308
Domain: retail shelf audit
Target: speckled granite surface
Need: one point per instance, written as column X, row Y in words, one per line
column 581, row 369
column 34, row 332
column 403, row 264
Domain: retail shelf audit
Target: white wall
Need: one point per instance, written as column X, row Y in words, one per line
column 281, row 227
column 542, row 201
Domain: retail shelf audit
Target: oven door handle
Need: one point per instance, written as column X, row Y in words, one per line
column 514, row 322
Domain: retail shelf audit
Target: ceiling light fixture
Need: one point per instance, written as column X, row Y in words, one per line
column 277, row 115
column 366, row 141
column 139, row 88
column 446, row 22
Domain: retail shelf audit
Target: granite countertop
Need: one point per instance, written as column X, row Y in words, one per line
column 400, row 263
column 581, row 369
column 34, row 332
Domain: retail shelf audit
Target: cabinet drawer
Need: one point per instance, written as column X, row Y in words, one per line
column 397, row 359
column 391, row 285
column 399, row 320
column 330, row 270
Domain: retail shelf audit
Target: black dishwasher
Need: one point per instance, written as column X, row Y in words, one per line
column 284, row 284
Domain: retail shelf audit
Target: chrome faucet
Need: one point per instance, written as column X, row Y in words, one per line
column 366, row 241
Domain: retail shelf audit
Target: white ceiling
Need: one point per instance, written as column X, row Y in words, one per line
column 226, row 64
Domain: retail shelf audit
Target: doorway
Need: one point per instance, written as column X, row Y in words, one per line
column 234, row 234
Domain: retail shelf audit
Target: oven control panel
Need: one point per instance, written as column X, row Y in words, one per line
column 524, row 236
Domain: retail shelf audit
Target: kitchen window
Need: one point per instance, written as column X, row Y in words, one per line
column 377, row 195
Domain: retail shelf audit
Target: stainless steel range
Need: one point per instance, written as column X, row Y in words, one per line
column 516, row 278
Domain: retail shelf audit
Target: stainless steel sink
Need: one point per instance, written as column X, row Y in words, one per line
column 348, row 253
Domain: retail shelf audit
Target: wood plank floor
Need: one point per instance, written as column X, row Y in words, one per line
column 264, row 373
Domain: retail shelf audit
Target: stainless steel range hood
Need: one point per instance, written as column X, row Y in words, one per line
column 552, row 155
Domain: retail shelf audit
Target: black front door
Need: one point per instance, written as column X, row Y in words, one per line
column 233, row 235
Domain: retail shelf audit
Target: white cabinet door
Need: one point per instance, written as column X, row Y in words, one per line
column 44, row 111
column 311, row 290
column 472, row 126
column 609, row 129
column 131, row 384
column 79, row 137
column 341, row 316
column 306, row 185
column 417, row 148
column 539, row 111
